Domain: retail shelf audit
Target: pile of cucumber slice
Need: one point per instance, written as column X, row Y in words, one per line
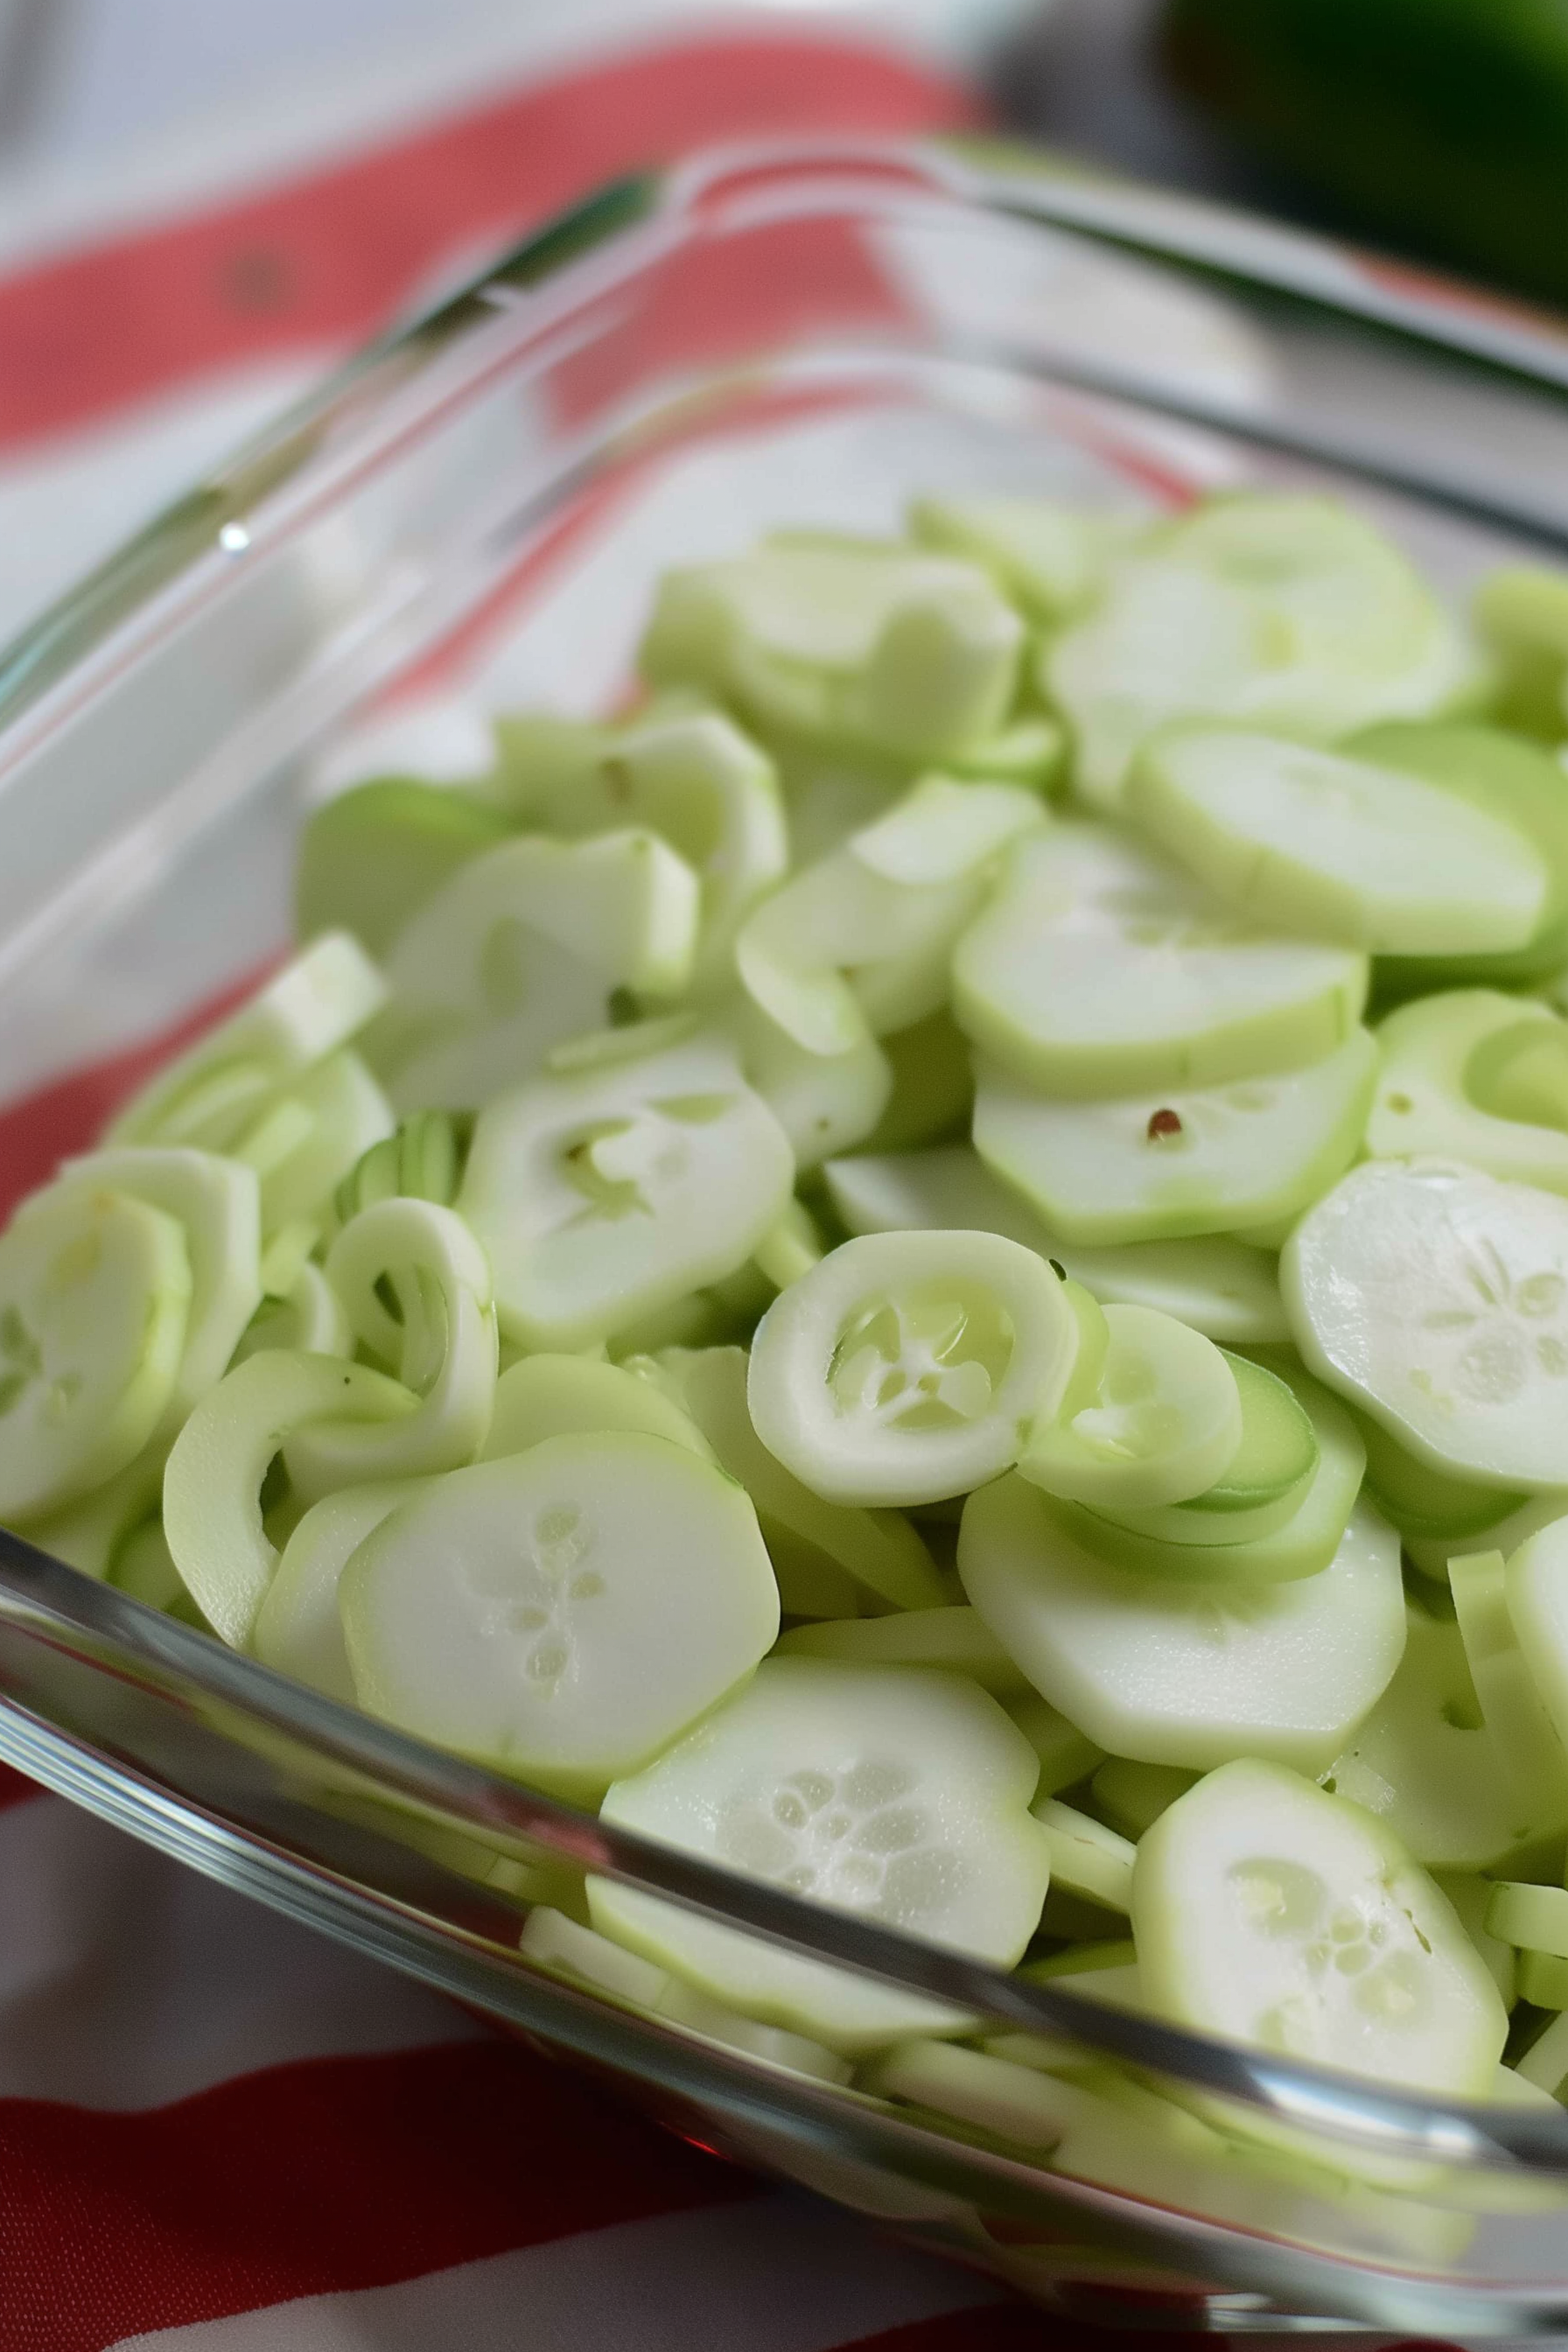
column 935, row 1268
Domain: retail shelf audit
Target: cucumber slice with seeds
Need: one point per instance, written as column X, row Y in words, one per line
column 1166, row 1163
column 1436, row 1298
column 1268, row 1912
column 1220, row 1287
column 1186, row 1673
column 1340, row 848
column 95, row 1293
column 1164, row 1425
column 893, row 1792
column 604, row 1198
column 562, row 1615
column 908, row 1367
column 1099, row 969
column 1451, row 1063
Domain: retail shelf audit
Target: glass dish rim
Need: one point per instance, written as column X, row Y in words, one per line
column 96, row 625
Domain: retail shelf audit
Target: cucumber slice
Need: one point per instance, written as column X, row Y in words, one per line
column 1186, row 1673
column 878, row 1551
column 1090, row 1352
column 690, row 775
column 1432, row 1554
column 1099, row 970
column 1521, row 612
column 872, row 645
column 1340, row 848
column 1436, row 1298
column 696, row 2013
column 342, row 1114
column 995, row 2096
column 1535, row 1593
column 889, row 1791
column 1425, row 1761
column 1165, row 1423
column 526, row 946
column 570, row 1396
column 1505, row 779
column 445, row 1348
column 1446, row 1066
column 1086, row 1856
column 1031, row 751
column 423, row 1158
column 308, row 1318
column 1507, row 1687
column 1219, row 1285
column 1301, row 1547
column 92, row 1534
column 604, row 1198
column 1421, row 1501
column 1534, row 1918
column 1163, row 1164
column 1048, row 557
column 1279, row 611
column 216, row 1204
column 1471, row 1899
column 208, row 1096
column 563, row 1945
column 1268, row 1912
column 212, row 1485
column 145, row 1570
column 907, row 1367
column 95, row 1293
column 1264, row 1484
column 298, row 1629
column 860, row 943
column 953, row 1638
column 368, row 859
column 565, row 1613
column 826, row 1103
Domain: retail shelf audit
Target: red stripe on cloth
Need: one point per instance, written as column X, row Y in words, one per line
column 332, row 256
column 307, row 2179
column 40, row 1130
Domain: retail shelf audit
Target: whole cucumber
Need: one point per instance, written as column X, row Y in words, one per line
column 1441, row 125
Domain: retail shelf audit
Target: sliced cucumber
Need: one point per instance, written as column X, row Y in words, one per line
column 1156, row 1165
column 1535, row 1590
column 1165, row 1421
column 1423, row 1502
column 369, row 858
column 145, row 1568
column 565, row 1945
column 1521, row 611
column 216, row 1204
column 1425, row 1761
column 1086, row 1856
column 933, row 1084
column 908, row 1367
column 1528, row 1742
column 1439, row 1055
column 690, row 774
column 1437, row 1298
column 1220, row 1287
column 210, row 1095
column 860, row 943
column 571, row 1396
column 526, row 946
column 1099, row 969
column 1048, row 557
column 298, row 1629
column 1532, row 1919
column 1267, row 1911
column 445, row 1348
column 1131, row 1797
column 94, row 1293
column 565, row 1613
column 308, row 1318
column 826, row 1103
column 1187, row 1674
column 878, row 1551
column 893, row 1792
column 1503, row 777
column 337, row 1113
column 212, row 1486
column 1279, row 611
column 1340, row 848
column 715, row 2021
column 1432, row 1554
column 605, row 1198
column 954, row 1639
column 1264, row 1484
column 1066, row 1755
column 92, row 1534
column 865, row 644
column 1471, row 1899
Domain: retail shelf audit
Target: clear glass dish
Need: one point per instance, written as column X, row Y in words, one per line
column 791, row 334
